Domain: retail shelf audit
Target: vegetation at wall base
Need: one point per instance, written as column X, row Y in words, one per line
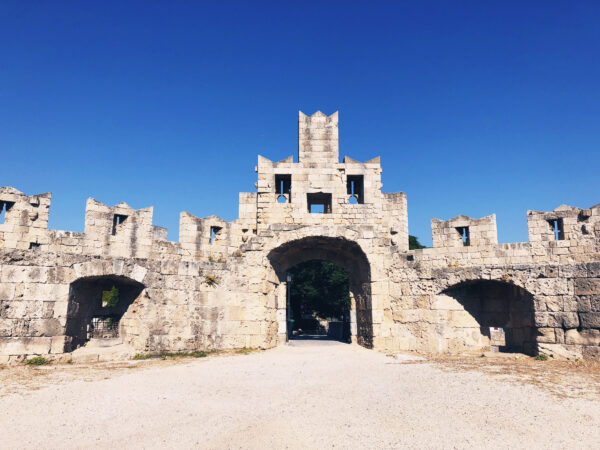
column 194, row 354
column 37, row 361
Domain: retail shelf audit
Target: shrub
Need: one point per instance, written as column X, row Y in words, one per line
column 110, row 299
column 541, row 357
column 246, row 350
column 414, row 244
column 37, row 361
column 211, row 280
column 194, row 354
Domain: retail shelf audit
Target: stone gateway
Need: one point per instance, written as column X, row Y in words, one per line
column 223, row 284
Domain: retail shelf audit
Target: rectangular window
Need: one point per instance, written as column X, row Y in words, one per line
column 355, row 189
column 283, row 188
column 214, row 232
column 319, row 203
column 558, row 229
column 464, row 235
column 4, row 208
column 118, row 220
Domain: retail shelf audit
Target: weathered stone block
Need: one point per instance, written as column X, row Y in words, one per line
column 546, row 335
column 583, row 337
column 45, row 327
column 590, row 320
column 25, row 346
column 446, row 302
column 587, row 286
column 594, row 302
column 556, row 319
column 24, row 274
column 6, row 326
column 554, row 303
column 594, row 269
column 561, row 351
column 462, row 319
column 548, row 286
column 7, row 291
column 591, row 352
column 406, row 316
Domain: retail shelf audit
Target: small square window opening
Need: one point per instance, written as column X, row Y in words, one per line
column 319, row 203
column 464, row 235
column 558, row 229
column 4, row 208
column 118, row 220
column 283, row 188
column 214, row 232
column 355, row 189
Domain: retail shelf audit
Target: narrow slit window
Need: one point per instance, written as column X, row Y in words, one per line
column 34, row 246
column 283, row 188
column 118, row 220
column 464, row 235
column 355, row 189
column 557, row 227
column 214, row 232
column 4, row 208
column 319, row 203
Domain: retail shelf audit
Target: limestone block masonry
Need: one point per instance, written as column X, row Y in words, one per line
column 223, row 284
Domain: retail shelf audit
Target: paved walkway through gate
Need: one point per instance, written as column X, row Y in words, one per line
column 322, row 394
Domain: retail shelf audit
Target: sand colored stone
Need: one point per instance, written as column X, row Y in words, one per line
column 222, row 285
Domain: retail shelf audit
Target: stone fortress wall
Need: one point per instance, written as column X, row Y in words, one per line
column 223, row 284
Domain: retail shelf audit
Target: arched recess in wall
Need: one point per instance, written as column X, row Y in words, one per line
column 492, row 304
column 89, row 315
column 346, row 254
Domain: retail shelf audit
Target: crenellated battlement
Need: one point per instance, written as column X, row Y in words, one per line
column 24, row 218
column 121, row 231
column 566, row 223
column 462, row 231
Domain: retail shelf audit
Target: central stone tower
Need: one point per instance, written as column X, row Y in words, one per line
column 318, row 139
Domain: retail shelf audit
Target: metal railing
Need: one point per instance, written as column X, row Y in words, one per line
column 104, row 328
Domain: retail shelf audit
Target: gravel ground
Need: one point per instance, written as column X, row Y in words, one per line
column 314, row 395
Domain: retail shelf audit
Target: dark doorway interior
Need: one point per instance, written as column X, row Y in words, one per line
column 345, row 253
column 96, row 306
column 319, row 301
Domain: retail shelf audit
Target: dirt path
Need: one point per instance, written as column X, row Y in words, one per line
column 308, row 396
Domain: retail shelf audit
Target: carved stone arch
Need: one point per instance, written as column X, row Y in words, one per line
column 449, row 277
column 477, row 306
column 112, row 267
column 347, row 254
column 86, row 309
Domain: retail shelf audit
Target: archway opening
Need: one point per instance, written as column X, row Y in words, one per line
column 319, row 301
column 344, row 253
column 503, row 316
column 96, row 306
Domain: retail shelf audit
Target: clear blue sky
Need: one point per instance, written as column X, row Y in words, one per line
column 474, row 107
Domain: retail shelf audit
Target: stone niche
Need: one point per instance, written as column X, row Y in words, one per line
column 475, row 308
